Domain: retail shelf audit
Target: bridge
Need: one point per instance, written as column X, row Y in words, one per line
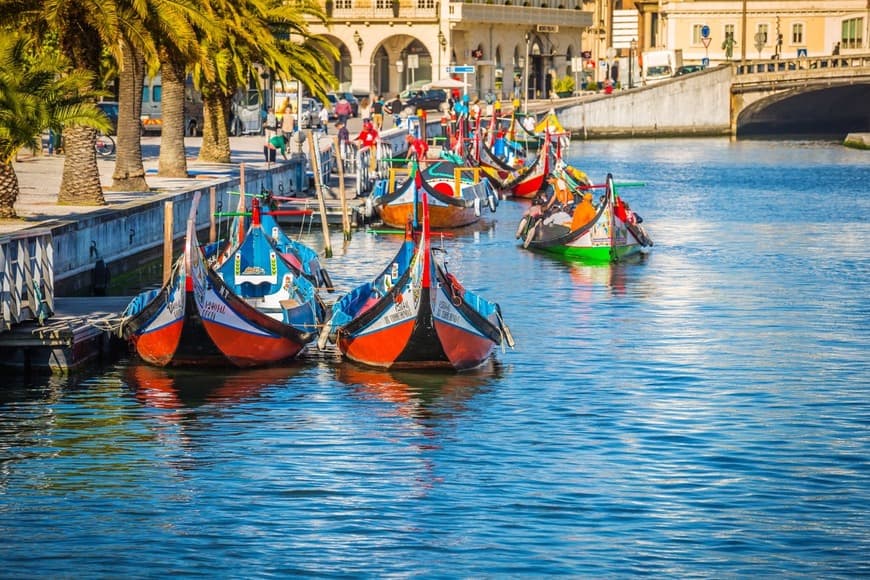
column 820, row 95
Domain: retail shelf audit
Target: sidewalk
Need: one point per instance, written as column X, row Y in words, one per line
column 39, row 178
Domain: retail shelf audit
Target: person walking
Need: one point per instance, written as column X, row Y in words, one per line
column 343, row 110
column 378, row 112
column 394, row 107
column 324, row 119
column 270, row 125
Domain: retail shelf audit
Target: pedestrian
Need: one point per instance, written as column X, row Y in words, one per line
column 378, row 112
column 273, row 145
column 343, row 110
column 394, row 107
column 368, row 140
column 365, row 108
column 288, row 122
column 270, row 125
column 324, row 120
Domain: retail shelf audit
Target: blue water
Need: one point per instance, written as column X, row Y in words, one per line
column 701, row 413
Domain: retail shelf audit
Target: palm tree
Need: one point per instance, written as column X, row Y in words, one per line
column 264, row 39
column 35, row 95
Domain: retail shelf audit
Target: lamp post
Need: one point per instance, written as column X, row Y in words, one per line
column 632, row 49
column 525, row 67
column 358, row 40
column 400, row 66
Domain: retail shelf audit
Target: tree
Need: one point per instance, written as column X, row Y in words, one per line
column 35, row 95
column 267, row 40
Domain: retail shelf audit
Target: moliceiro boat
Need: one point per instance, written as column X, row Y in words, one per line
column 572, row 226
column 456, row 196
column 197, row 319
column 415, row 313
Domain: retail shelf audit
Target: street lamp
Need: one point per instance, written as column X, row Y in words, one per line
column 525, row 66
column 632, row 49
column 358, row 40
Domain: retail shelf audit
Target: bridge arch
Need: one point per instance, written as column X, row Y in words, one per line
column 815, row 109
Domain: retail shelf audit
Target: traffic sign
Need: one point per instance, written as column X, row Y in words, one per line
column 705, row 62
column 460, row 69
column 802, row 53
column 705, row 31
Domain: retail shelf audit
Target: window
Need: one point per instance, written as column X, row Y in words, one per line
column 696, row 33
column 729, row 31
column 762, row 29
column 852, row 36
column 797, row 33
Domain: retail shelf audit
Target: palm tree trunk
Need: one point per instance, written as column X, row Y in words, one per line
column 129, row 172
column 80, row 184
column 215, row 138
column 9, row 191
column 173, row 162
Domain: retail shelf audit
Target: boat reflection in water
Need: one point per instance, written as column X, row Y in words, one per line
column 179, row 388
column 420, row 394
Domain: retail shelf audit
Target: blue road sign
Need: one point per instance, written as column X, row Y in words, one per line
column 705, row 62
column 705, row 31
column 467, row 68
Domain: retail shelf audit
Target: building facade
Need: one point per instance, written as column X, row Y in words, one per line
column 507, row 45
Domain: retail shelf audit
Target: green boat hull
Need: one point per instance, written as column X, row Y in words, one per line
column 598, row 254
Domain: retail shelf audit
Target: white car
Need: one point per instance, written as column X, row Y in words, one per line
column 310, row 117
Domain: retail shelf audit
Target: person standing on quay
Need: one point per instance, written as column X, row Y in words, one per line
column 378, row 112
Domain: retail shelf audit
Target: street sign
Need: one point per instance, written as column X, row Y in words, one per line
column 461, row 69
column 413, row 61
column 705, row 31
column 706, row 41
column 802, row 53
column 705, row 62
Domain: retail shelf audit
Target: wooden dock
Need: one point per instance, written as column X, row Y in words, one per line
column 82, row 331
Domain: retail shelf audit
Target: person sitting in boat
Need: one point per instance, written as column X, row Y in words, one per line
column 584, row 212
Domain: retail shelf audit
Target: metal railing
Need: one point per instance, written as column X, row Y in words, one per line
column 816, row 63
column 26, row 277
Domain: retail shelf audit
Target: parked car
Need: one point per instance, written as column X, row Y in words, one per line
column 688, row 69
column 310, row 117
column 110, row 108
column 335, row 96
column 426, row 100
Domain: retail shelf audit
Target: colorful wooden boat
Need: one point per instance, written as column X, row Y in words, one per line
column 195, row 319
column 610, row 236
column 456, row 196
column 415, row 314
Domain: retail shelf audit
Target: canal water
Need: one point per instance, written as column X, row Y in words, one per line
column 700, row 413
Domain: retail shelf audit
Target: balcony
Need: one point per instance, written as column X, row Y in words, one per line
column 382, row 11
column 567, row 14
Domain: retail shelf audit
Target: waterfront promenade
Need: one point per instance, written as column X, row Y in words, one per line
column 39, row 178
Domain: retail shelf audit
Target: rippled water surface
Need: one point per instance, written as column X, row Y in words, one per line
column 703, row 412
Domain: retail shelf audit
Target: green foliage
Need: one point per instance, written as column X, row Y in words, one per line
column 564, row 84
column 37, row 93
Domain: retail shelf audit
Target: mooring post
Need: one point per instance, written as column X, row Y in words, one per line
column 212, row 208
column 315, row 167
column 345, row 219
column 167, row 241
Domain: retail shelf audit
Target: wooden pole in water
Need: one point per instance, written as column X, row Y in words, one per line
column 345, row 219
column 315, row 168
column 212, row 208
column 167, row 241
